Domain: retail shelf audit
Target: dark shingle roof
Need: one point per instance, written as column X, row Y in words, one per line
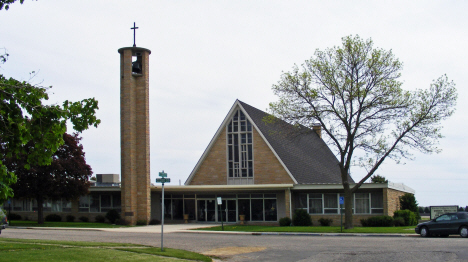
column 303, row 152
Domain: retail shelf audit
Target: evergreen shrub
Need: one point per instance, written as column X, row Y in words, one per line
column 100, row 219
column 84, row 219
column 154, row 221
column 285, row 222
column 53, row 218
column 379, row 221
column 301, row 218
column 112, row 215
column 70, row 218
column 14, row 216
column 325, row 222
column 409, row 217
column 399, row 222
column 141, row 223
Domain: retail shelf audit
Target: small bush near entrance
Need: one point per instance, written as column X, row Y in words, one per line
column 70, row 218
column 53, row 218
column 112, row 215
column 399, row 222
column 100, row 219
column 14, row 216
column 380, row 221
column 122, row 222
column 141, row 223
column 84, row 219
column 154, row 221
column 301, row 218
column 285, row 222
column 408, row 215
column 325, row 222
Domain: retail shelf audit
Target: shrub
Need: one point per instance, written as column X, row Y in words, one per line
column 301, row 218
column 408, row 202
column 53, row 218
column 70, row 218
column 325, row 222
column 112, row 215
column 14, row 216
column 285, row 221
column 100, row 219
column 379, row 221
column 142, row 222
column 84, row 219
column 408, row 216
column 154, row 221
column 122, row 222
column 399, row 222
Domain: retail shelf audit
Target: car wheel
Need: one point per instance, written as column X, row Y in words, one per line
column 464, row 231
column 424, row 232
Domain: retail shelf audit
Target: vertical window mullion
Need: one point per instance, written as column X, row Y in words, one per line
column 323, row 204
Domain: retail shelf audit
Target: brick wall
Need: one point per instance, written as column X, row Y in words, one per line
column 391, row 199
column 213, row 170
column 267, row 168
column 337, row 219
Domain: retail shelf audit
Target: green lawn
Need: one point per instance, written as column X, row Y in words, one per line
column 48, row 250
column 21, row 223
column 312, row 229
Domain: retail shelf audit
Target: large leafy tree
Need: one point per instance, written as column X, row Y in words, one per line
column 26, row 118
column 353, row 91
column 66, row 177
column 6, row 3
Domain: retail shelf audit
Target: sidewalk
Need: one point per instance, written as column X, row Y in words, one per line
column 189, row 228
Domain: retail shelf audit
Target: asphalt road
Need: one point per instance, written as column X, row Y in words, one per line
column 277, row 247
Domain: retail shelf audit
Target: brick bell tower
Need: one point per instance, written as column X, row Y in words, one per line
column 134, row 133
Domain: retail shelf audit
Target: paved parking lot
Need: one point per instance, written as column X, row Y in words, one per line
column 233, row 247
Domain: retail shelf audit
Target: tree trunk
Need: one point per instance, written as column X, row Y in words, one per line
column 348, row 208
column 40, row 210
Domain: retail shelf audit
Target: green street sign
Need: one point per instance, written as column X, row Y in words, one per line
column 163, row 180
column 162, row 174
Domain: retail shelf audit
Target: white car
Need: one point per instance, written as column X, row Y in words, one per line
column 3, row 220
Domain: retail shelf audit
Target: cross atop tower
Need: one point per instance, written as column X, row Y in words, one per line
column 134, row 28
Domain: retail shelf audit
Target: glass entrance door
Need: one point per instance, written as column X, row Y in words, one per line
column 210, row 211
column 206, row 210
column 229, row 211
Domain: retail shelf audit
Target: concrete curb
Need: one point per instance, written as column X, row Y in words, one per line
column 296, row 234
column 228, row 232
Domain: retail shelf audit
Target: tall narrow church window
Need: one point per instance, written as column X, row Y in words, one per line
column 239, row 147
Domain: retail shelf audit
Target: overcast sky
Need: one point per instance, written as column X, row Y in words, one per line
column 207, row 54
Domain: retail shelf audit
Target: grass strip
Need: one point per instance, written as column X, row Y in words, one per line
column 313, row 229
column 49, row 250
column 67, row 243
column 169, row 252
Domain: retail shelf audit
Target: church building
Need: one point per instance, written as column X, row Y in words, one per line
column 262, row 168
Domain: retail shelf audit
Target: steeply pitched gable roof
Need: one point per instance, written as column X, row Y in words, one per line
column 304, row 155
column 303, row 152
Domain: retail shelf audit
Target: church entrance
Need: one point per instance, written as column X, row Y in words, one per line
column 206, row 210
column 210, row 211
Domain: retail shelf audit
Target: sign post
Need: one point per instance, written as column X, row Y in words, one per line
column 341, row 212
column 162, row 180
column 220, row 203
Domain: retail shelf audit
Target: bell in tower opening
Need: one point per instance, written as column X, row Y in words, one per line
column 136, row 63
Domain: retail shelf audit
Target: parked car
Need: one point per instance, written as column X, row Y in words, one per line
column 444, row 225
column 3, row 220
